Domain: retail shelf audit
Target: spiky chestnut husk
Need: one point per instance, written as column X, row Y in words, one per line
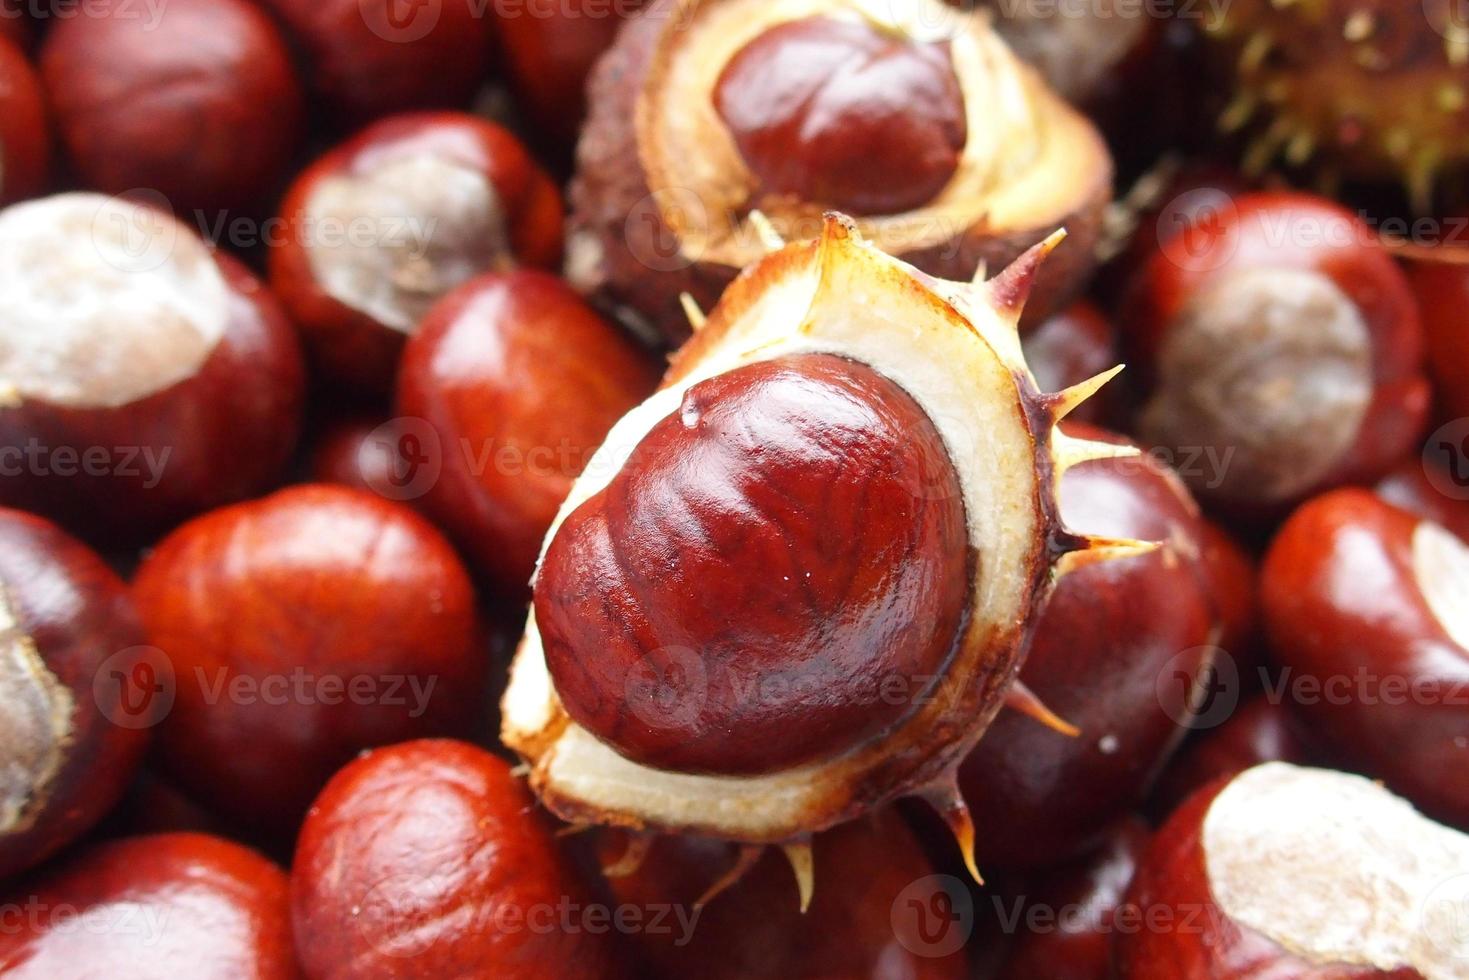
column 954, row 349
column 1374, row 90
column 1285, row 871
column 662, row 199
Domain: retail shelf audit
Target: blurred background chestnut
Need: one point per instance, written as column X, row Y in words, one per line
column 70, row 737
column 198, row 103
column 25, row 136
column 380, row 228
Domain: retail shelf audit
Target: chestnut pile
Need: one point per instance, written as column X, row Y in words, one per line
column 619, row 489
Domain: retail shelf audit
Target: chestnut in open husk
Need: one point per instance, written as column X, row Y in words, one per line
column 1284, row 871
column 911, row 115
column 760, row 612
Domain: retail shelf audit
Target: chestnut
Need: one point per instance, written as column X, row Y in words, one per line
column 518, row 381
column 199, row 104
column 73, row 724
column 366, row 452
column 1418, row 486
column 384, row 225
column 1066, row 349
column 306, row 625
column 1073, row 909
column 844, row 113
column 879, row 907
column 1260, row 730
column 549, row 47
column 15, row 23
column 25, row 139
column 914, row 117
column 142, row 377
column 369, row 58
column 430, row 859
column 1442, row 289
column 1365, row 605
column 163, row 905
column 1284, row 871
column 1117, row 653
column 1233, row 581
column 1282, row 347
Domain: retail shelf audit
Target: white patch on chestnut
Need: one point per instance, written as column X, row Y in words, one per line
column 1272, row 365
column 1441, row 566
column 392, row 236
column 1336, row 869
column 35, row 725
column 104, row 301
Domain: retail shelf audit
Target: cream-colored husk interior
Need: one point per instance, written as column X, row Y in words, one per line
column 1006, row 181
column 104, row 301
column 846, row 298
column 1441, row 566
column 1336, row 869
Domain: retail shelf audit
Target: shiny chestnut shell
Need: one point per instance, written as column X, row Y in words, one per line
column 517, row 381
column 307, row 625
column 70, row 638
column 430, row 859
column 25, row 136
column 200, row 104
column 153, row 906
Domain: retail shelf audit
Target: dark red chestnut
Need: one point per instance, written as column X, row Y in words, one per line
column 785, row 673
column 549, row 47
column 1261, row 730
column 1442, row 289
column 142, row 377
column 69, row 736
column 25, row 140
column 199, row 103
column 1285, row 871
column 1117, row 653
column 383, row 226
column 845, row 113
column 519, row 381
column 1066, row 349
column 166, row 905
column 305, row 626
column 1070, row 911
column 1367, row 608
column 368, row 58
column 1281, row 344
column 429, row 859
column 1417, row 486
column 878, row 908
column 15, row 23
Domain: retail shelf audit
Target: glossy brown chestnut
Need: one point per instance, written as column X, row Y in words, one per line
column 517, row 381
column 1442, row 289
column 68, row 741
column 845, row 114
column 1416, row 485
column 1367, row 606
column 1282, row 342
column 25, row 140
column 383, row 226
column 429, row 859
column 808, row 469
column 1117, row 653
column 1074, row 906
column 1074, row 345
column 1285, row 871
column 166, row 905
column 879, row 909
column 549, row 47
column 1260, row 730
column 199, row 104
column 144, row 377
column 368, row 58
column 305, row 626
